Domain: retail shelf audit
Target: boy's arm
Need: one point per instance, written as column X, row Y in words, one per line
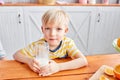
column 21, row 58
column 32, row 63
column 77, row 61
column 3, row 58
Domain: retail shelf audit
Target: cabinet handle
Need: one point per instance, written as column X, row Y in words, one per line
column 98, row 17
column 19, row 16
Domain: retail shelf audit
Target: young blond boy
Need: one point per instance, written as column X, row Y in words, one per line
column 54, row 27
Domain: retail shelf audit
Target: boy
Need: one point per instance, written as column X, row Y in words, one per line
column 2, row 52
column 54, row 27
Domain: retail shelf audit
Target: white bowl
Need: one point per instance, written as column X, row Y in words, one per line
column 115, row 45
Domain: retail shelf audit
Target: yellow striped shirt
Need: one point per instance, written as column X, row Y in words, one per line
column 67, row 48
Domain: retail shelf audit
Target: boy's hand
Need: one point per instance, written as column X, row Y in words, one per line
column 34, row 65
column 49, row 69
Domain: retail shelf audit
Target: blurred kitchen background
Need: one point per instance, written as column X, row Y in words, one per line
column 93, row 27
column 69, row 1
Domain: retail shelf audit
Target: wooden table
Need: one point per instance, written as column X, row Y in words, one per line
column 14, row 70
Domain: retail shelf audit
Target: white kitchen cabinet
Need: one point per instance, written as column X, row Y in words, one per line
column 92, row 28
column 11, row 29
column 81, row 19
column 106, row 28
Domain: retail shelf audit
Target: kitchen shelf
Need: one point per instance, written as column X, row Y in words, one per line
column 70, row 4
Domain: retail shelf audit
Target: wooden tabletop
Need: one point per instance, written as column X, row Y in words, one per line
column 11, row 69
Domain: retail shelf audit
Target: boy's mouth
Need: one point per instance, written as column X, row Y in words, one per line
column 52, row 39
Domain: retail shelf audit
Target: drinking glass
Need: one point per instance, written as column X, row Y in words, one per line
column 42, row 53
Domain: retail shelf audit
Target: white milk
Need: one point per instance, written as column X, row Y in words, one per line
column 42, row 54
column 43, row 61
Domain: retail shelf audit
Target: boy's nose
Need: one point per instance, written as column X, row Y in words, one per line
column 53, row 32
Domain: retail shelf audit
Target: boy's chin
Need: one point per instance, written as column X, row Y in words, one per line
column 54, row 44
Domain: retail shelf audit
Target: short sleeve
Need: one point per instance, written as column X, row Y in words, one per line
column 29, row 50
column 72, row 49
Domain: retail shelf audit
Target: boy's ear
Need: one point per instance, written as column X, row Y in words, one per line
column 42, row 28
column 66, row 30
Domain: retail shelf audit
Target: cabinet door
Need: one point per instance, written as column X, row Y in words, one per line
column 33, row 21
column 11, row 30
column 79, row 27
column 106, row 29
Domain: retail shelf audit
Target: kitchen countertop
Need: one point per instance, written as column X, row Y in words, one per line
column 70, row 4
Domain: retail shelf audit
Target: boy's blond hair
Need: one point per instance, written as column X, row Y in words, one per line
column 55, row 16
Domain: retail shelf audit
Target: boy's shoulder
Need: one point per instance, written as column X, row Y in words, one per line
column 67, row 39
column 40, row 41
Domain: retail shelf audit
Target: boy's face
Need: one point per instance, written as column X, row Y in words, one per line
column 53, row 34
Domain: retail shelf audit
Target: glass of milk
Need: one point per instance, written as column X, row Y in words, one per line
column 42, row 54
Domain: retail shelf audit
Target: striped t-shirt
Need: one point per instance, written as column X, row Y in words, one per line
column 66, row 48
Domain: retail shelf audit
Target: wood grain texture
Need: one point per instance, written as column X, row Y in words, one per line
column 12, row 69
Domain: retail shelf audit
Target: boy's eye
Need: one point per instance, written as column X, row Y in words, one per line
column 47, row 28
column 59, row 28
